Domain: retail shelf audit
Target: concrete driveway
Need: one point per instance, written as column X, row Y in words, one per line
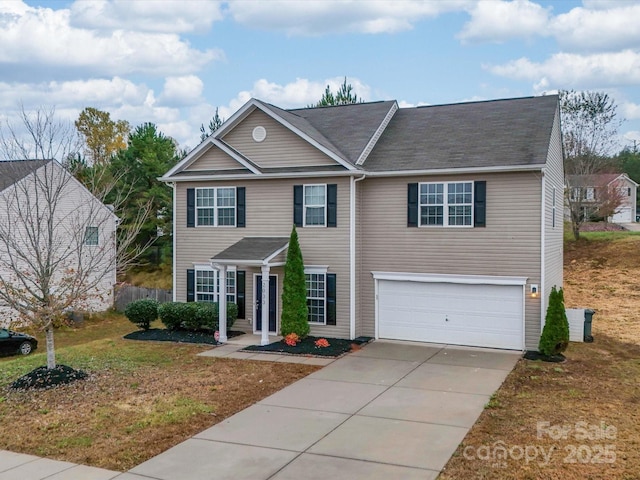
column 390, row 410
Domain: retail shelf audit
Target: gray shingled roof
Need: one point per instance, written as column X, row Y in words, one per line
column 14, row 170
column 304, row 126
column 479, row 134
column 252, row 249
column 349, row 127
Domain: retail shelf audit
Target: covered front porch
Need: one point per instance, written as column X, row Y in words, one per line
column 263, row 253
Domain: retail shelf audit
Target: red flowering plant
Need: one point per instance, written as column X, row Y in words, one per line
column 321, row 343
column 292, row 339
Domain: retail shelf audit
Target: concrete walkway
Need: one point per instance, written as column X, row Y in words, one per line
column 390, row 410
column 633, row 227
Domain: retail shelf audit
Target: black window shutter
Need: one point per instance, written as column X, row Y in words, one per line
column 191, row 285
column 331, row 298
column 297, row 205
column 191, row 207
column 332, row 205
column 240, row 292
column 240, row 207
column 412, row 205
column 480, row 204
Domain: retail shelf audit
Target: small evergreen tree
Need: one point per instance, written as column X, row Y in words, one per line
column 555, row 334
column 294, row 292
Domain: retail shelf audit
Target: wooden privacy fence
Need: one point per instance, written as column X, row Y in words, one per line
column 126, row 294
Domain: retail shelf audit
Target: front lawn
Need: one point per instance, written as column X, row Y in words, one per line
column 140, row 399
column 579, row 419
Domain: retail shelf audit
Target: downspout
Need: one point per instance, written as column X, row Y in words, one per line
column 173, row 241
column 352, row 255
column 543, row 212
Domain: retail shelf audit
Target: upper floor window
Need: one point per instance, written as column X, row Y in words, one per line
column 91, row 236
column 216, row 206
column 446, row 204
column 315, row 204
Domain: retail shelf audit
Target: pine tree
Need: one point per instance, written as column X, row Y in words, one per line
column 294, row 292
column 555, row 334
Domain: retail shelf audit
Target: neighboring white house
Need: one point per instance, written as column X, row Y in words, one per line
column 49, row 220
column 593, row 190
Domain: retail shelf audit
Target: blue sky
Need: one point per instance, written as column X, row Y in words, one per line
column 174, row 62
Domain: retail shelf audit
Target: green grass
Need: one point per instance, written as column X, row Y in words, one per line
column 598, row 236
column 96, row 345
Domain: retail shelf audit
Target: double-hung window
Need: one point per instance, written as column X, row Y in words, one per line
column 315, row 200
column 316, row 297
column 207, row 285
column 446, row 204
column 216, row 207
column 91, row 236
column 315, row 205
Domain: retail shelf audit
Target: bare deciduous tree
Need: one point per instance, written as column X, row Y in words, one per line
column 589, row 127
column 57, row 241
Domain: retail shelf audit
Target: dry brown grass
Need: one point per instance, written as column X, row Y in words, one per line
column 141, row 399
column 599, row 382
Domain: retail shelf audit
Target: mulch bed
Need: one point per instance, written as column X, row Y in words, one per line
column 307, row 347
column 179, row 336
column 42, row 377
column 533, row 355
column 601, row 227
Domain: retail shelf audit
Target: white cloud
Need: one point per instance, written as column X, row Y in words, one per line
column 319, row 17
column 568, row 70
column 297, row 94
column 45, row 37
column 630, row 111
column 499, row 21
column 174, row 16
column 602, row 25
column 182, row 91
column 630, row 138
column 607, row 29
column 75, row 94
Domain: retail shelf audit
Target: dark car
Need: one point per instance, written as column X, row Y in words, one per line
column 12, row 343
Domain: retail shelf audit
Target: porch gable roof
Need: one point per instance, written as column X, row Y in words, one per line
column 255, row 251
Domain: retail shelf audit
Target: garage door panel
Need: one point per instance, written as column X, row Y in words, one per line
column 462, row 314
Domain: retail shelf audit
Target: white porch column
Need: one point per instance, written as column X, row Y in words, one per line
column 222, row 304
column 265, row 305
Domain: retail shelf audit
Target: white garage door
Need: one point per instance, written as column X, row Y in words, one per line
column 454, row 313
column 623, row 215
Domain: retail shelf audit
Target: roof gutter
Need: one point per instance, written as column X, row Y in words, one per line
column 350, row 173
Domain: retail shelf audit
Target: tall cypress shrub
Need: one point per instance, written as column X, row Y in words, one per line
column 555, row 334
column 294, row 292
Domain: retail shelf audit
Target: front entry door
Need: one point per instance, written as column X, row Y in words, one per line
column 273, row 303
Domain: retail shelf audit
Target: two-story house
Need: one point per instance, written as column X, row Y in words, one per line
column 602, row 194
column 57, row 240
column 431, row 224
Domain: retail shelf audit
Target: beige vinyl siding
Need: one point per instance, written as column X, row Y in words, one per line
column 554, row 177
column 281, row 147
column 508, row 246
column 269, row 212
column 214, row 159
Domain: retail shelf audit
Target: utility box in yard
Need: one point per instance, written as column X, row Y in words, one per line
column 580, row 324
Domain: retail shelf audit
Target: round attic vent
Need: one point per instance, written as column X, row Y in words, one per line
column 259, row 133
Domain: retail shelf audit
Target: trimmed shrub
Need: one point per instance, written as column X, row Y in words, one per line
column 208, row 315
column 195, row 315
column 294, row 292
column 204, row 315
column 232, row 314
column 555, row 334
column 142, row 312
column 172, row 314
